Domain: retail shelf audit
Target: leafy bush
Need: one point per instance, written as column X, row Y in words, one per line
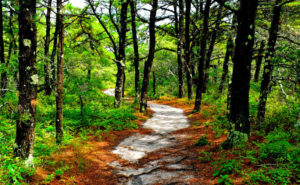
column 13, row 171
column 225, row 180
column 226, row 167
column 258, row 177
column 270, row 176
column 279, row 175
column 276, row 147
column 202, row 141
column 205, row 156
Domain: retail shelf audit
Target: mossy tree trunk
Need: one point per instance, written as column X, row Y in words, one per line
column 268, row 68
column 239, row 103
column 28, row 80
column 121, row 55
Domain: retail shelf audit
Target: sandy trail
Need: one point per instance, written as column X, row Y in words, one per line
column 165, row 170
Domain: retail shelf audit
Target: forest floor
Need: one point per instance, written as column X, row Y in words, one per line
column 162, row 151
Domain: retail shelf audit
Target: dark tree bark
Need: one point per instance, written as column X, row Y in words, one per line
column 259, row 59
column 211, row 47
column 228, row 53
column 136, row 48
column 60, row 53
column 148, row 63
column 120, row 59
column 239, row 104
column 180, row 34
column 187, row 53
column 200, row 82
column 3, row 82
column 268, row 68
column 28, row 80
column 47, row 43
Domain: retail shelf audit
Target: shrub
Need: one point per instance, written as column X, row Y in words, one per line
column 202, row 141
column 227, row 167
column 225, row 180
column 277, row 148
column 205, row 156
column 258, row 177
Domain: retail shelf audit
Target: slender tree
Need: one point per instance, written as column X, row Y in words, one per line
column 3, row 82
column 60, row 53
column 135, row 48
column 259, row 59
column 211, row 46
column 200, row 82
column 187, row 53
column 119, row 50
column 53, row 54
column 120, row 59
column 239, row 103
column 28, row 80
column 148, row 63
column 179, row 28
column 268, row 68
column 47, row 44
column 228, row 54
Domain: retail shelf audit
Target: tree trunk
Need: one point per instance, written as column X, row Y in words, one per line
column 148, row 63
column 259, row 60
column 60, row 53
column 136, row 48
column 180, row 33
column 53, row 54
column 47, row 43
column 211, row 48
column 228, row 53
column 268, row 69
column 3, row 82
column 12, row 45
column 187, row 49
column 200, row 82
column 28, row 81
column 121, row 56
column 239, row 103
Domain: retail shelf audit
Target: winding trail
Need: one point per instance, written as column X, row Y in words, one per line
column 169, row 168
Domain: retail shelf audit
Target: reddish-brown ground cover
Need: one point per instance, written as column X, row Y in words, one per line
column 89, row 159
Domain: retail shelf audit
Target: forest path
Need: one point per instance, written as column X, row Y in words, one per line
column 157, row 157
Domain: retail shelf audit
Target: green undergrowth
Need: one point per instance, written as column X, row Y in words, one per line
column 92, row 115
column 272, row 158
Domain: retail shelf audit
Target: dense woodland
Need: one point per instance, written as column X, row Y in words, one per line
column 237, row 58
